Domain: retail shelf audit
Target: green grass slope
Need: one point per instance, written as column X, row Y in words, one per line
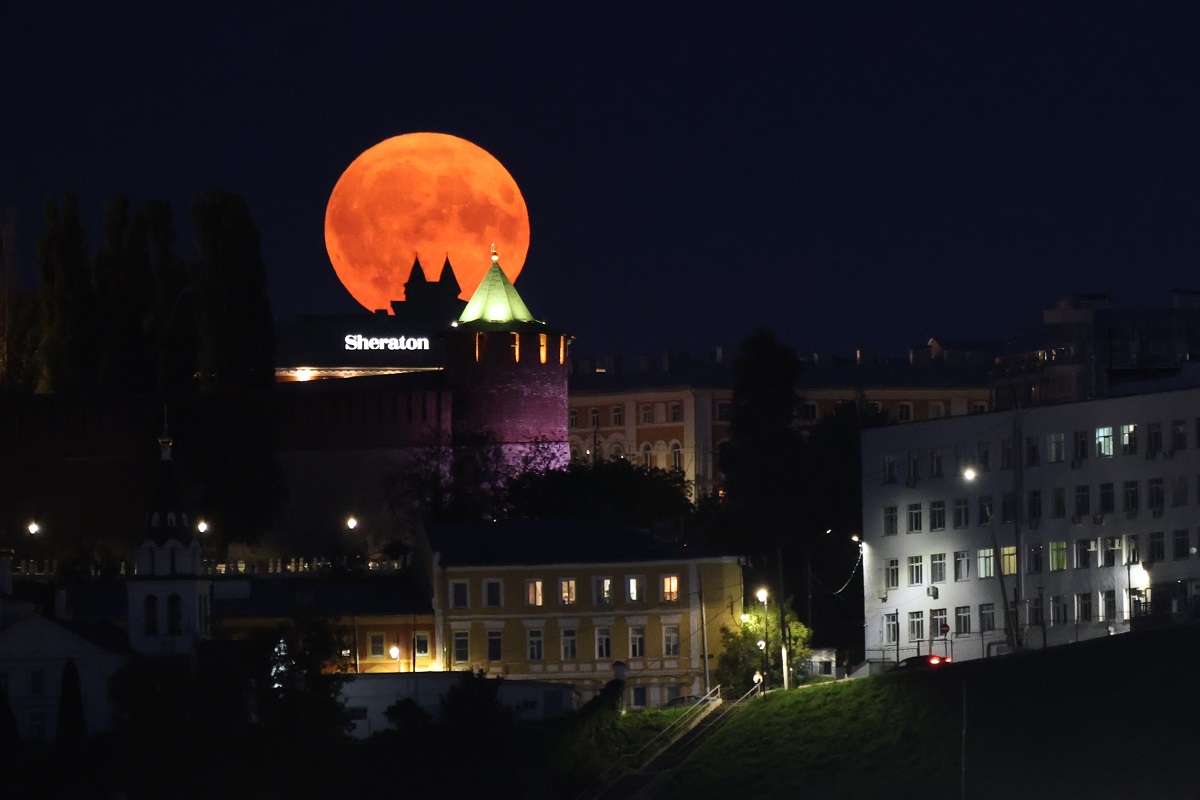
column 1114, row 717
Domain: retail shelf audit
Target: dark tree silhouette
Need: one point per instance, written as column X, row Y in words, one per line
column 68, row 305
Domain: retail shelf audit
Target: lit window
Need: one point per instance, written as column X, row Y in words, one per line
column 670, row 588
column 604, row 593
column 1058, row 556
column 634, row 590
column 1008, row 560
column 533, row 592
column 566, row 591
column 1129, row 440
column 1104, row 442
column 543, row 347
column 516, row 347
column 986, row 563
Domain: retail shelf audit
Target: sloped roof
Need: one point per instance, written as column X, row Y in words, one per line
column 496, row 299
column 551, row 541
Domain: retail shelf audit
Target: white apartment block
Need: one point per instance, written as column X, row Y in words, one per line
column 1088, row 514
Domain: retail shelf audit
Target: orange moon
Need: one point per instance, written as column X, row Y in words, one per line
column 428, row 196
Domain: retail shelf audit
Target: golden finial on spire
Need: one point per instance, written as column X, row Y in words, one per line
column 495, row 257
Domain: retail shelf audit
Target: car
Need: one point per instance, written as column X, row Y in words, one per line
column 920, row 662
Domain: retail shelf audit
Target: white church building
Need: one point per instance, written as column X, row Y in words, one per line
column 1084, row 516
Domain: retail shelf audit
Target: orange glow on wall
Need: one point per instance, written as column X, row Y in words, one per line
column 426, row 195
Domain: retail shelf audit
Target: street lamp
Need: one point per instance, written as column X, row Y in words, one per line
column 34, row 528
column 1010, row 631
column 761, row 594
column 395, row 653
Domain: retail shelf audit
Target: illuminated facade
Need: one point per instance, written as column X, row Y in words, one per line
column 676, row 415
column 1087, row 511
column 566, row 600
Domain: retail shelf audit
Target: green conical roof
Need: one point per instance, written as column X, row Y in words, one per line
column 496, row 300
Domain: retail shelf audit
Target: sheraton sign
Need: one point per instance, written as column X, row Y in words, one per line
column 356, row 341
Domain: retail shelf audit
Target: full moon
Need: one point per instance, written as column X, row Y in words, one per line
column 430, row 196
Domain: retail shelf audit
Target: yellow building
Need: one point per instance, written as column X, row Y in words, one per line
column 567, row 600
column 675, row 414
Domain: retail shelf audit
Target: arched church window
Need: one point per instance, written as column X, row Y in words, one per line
column 150, row 612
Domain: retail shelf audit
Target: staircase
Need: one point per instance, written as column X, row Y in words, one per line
column 640, row 784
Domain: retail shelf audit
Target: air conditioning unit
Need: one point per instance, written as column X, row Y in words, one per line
column 1097, row 519
column 932, row 592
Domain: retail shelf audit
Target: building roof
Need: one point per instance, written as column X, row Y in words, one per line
column 281, row 597
column 551, row 541
column 496, row 299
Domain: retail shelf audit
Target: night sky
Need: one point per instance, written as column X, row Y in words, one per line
column 847, row 174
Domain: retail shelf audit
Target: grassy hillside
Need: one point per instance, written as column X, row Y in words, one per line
column 1115, row 717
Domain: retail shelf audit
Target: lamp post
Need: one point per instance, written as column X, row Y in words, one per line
column 1010, row 632
column 395, row 653
column 761, row 594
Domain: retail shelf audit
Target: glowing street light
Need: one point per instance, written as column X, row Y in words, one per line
column 202, row 526
column 34, row 529
column 351, row 523
column 761, row 594
column 395, row 653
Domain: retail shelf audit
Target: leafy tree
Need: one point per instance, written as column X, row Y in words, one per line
column 233, row 313
column 296, row 695
column 742, row 657
column 618, row 489
column 124, row 289
column 68, row 305
column 761, row 461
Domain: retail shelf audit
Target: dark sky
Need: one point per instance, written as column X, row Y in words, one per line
column 847, row 174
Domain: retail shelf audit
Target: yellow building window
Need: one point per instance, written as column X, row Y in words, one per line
column 670, row 588
column 543, row 346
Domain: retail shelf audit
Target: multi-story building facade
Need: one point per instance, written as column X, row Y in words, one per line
column 566, row 601
column 1083, row 516
column 676, row 415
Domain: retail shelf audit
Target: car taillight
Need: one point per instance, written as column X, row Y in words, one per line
column 935, row 660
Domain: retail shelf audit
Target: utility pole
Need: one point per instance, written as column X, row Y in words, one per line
column 783, row 637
